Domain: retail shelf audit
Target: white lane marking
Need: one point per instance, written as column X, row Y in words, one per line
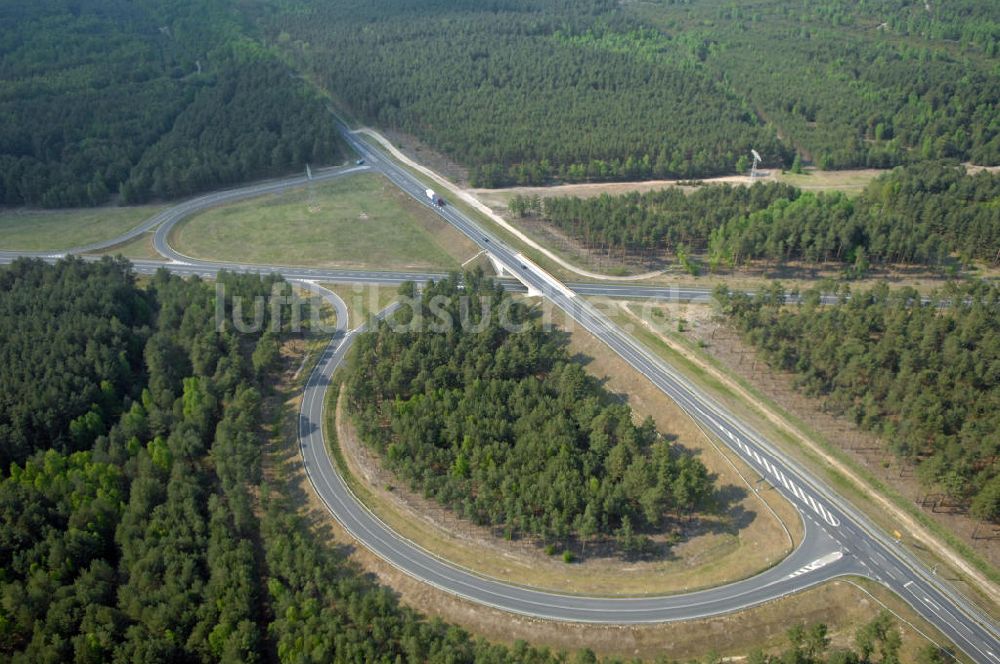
column 944, row 615
column 752, row 455
column 818, row 563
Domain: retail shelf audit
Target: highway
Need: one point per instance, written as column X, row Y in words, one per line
column 838, row 540
column 167, row 220
column 861, row 543
column 816, row 560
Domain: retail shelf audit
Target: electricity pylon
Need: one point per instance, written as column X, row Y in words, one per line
column 312, row 203
column 753, row 169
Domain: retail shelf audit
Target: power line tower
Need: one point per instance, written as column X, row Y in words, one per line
column 311, row 203
column 756, row 162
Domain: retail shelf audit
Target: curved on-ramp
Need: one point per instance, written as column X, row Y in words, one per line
column 862, row 543
column 171, row 216
column 816, row 560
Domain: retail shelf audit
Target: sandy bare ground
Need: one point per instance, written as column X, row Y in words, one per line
column 973, row 168
column 811, row 179
column 590, row 189
column 850, row 180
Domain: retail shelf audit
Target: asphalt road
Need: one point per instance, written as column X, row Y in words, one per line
column 839, row 540
column 179, row 213
column 187, row 208
column 166, row 221
column 864, row 547
column 816, row 560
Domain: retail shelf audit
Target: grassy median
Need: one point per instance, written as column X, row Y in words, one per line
column 361, row 221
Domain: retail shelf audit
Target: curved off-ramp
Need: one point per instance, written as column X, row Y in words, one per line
column 832, row 525
column 816, row 560
column 171, row 216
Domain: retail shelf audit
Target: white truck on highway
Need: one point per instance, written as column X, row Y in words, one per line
column 435, row 199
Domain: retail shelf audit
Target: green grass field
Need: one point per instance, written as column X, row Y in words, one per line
column 851, row 182
column 359, row 221
column 42, row 230
column 138, row 248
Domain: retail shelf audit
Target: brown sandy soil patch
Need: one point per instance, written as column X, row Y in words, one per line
column 799, row 276
column 297, row 357
column 974, row 168
column 842, row 605
column 711, row 550
column 363, row 300
column 850, row 181
column 499, row 198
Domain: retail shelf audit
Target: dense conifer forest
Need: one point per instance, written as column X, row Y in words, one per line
column 530, row 91
column 925, row 376
column 127, row 521
column 503, row 427
column 160, row 98
column 149, row 99
column 125, row 518
column 914, row 215
column 134, row 522
column 525, row 91
column 854, row 84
